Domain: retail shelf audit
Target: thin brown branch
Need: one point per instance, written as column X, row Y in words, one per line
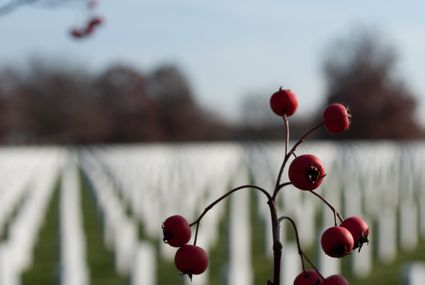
column 215, row 202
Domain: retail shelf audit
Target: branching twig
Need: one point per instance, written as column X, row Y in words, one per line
column 12, row 5
column 335, row 212
column 300, row 251
column 210, row 206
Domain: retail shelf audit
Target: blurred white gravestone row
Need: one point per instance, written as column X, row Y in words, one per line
column 37, row 175
column 73, row 263
column 143, row 184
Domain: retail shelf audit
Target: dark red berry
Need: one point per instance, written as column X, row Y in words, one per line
column 176, row 231
column 308, row 277
column 93, row 23
column 337, row 241
column 306, row 172
column 191, row 260
column 77, row 33
column 284, row 102
column 358, row 228
column 335, row 280
column 336, row 117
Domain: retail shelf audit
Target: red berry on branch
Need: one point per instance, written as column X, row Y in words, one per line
column 337, row 242
column 335, row 280
column 358, row 228
column 308, row 277
column 284, row 102
column 191, row 260
column 93, row 23
column 306, row 172
column 77, row 33
column 176, row 231
column 336, row 117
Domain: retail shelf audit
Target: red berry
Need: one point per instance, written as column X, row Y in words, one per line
column 77, row 33
column 308, row 277
column 191, row 260
column 358, row 228
column 93, row 23
column 335, row 280
column 306, row 172
column 284, row 102
column 337, row 242
column 336, row 117
column 176, row 231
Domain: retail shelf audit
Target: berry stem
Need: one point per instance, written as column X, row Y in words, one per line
column 301, row 140
column 210, row 206
column 277, row 245
column 285, row 119
column 335, row 212
column 300, row 251
column 297, row 238
column 291, row 152
column 279, row 188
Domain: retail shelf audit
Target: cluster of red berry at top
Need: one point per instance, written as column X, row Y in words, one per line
column 306, row 172
column 90, row 26
column 88, row 29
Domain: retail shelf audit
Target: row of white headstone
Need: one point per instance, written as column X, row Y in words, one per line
column 199, row 175
column 376, row 182
column 132, row 258
column 16, row 251
column 380, row 183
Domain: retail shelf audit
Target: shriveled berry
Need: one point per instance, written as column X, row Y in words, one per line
column 336, row 117
column 337, row 241
column 308, row 277
column 358, row 228
column 335, row 280
column 176, row 231
column 284, row 102
column 306, row 172
column 191, row 260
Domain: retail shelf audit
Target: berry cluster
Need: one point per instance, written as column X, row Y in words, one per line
column 90, row 26
column 306, row 172
column 189, row 259
column 88, row 29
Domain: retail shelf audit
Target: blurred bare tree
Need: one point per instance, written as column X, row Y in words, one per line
column 51, row 104
column 361, row 73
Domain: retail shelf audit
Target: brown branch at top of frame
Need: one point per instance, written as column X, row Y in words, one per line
column 12, row 5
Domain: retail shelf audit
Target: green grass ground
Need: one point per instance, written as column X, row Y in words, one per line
column 45, row 268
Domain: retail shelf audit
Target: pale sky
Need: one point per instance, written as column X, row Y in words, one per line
column 227, row 48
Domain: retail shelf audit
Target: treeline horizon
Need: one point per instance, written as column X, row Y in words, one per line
column 47, row 103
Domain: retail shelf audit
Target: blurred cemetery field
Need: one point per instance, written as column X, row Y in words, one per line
column 91, row 163
column 93, row 215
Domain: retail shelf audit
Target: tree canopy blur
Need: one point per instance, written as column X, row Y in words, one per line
column 361, row 73
column 50, row 104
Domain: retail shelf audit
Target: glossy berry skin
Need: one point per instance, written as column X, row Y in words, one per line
column 335, row 280
column 284, row 102
column 176, row 231
column 337, row 242
column 191, row 260
column 308, row 277
column 358, row 228
column 336, row 117
column 306, row 172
